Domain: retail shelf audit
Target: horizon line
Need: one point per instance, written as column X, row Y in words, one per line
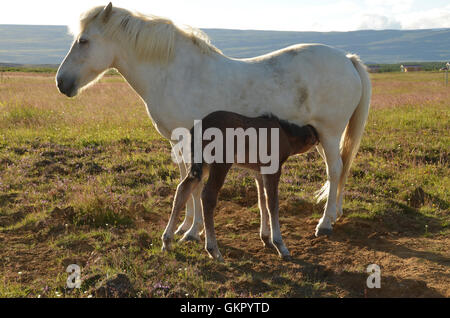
column 256, row 30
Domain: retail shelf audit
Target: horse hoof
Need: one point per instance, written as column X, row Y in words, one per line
column 286, row 257
column 323, row 232
column 269, row 246
column 190, row 238
column 267, row 243
column 165, row 248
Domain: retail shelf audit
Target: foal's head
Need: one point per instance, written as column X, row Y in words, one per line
column 90, row 55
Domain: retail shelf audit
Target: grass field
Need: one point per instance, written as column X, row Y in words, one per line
column 89, row 181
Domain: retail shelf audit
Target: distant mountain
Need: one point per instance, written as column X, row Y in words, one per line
column 386, row 46
column 27, row 44
column 33, row 44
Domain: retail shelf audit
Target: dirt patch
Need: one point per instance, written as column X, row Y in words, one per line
column 410, row 266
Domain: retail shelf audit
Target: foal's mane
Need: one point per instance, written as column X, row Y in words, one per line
column 152, row 37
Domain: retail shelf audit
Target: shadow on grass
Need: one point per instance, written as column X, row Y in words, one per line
column 399, row 220
column 355, row 283
column 308, row 279
column 396, row 218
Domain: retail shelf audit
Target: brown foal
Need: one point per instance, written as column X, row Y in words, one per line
column 291, row 140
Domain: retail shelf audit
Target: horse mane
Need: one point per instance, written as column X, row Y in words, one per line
column 152, row 37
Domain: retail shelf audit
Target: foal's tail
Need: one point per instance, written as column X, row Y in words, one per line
column 355, row 127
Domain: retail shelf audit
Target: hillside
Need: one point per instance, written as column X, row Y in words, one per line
column 27, row 44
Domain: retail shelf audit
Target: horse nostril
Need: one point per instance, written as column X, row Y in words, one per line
column 60, row 84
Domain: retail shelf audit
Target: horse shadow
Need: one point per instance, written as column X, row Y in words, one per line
column 375, row 234
column 353, row 283
column 398, row 221
column 307, row 278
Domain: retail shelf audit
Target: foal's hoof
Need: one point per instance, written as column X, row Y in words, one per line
column 190, row 238
column 323, row 232
column 267, row 242
column 215, row 254
column 217, row 258
column 286, row 257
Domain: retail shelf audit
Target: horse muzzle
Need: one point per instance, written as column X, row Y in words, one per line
column 67, row 86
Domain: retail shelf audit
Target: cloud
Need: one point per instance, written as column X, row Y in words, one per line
column 389, row 6
column 378, row 22
column 428, row 19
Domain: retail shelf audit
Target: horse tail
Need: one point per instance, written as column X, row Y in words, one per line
column 355, row 127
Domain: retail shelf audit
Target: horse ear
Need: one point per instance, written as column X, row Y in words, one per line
column 106, row 14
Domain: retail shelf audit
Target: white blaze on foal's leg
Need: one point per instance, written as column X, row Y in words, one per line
column 264, row 232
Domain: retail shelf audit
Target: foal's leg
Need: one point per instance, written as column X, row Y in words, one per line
column 184, row 190
column 271, row 191
column 210, row 192
column 197, row 223
column 188, row 219
column 334, row 170
column 264, row 232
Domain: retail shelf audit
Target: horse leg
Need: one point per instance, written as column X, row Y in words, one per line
column 271, row 192
column 264, row 232
column 188, row 219
column 340, row 199
column 209, row 196
column 183, row 193
column 340, row 188
column 334, row 169
column 197, row 223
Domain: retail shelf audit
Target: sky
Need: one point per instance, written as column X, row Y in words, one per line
column 283, row 15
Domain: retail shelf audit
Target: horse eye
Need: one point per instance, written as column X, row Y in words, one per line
column 82, row 41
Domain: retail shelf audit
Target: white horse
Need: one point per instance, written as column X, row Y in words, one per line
column 181, row 77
